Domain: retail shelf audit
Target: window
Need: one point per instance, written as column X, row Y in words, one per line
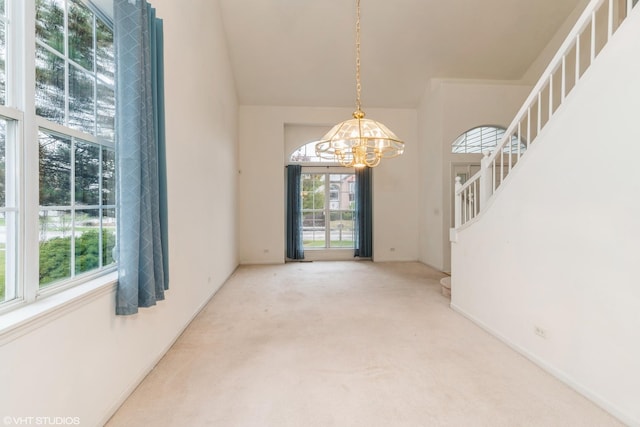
column 74, row 89
column 328, row 201
column 307, row 154
column 328, row 210
column 77, row 207
column 67, row 198
column 481, row 139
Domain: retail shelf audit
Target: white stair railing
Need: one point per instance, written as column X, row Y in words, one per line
column 590, row 34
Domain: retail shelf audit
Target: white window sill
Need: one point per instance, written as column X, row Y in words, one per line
column 20, row 321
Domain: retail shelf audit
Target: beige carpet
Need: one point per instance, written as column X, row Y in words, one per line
column 345, row 344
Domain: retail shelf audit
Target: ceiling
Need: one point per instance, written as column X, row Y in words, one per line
column 302, row 52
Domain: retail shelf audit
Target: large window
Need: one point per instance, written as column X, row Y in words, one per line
column 328, row 210
column 75, row 89
column 57, row 167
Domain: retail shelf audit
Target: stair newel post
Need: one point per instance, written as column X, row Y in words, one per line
column 486, row 179
column 458, row 203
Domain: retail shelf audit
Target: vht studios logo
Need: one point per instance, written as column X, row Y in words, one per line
column 41, row 421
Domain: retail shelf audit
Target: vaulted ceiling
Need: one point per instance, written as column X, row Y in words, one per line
column 302, row 52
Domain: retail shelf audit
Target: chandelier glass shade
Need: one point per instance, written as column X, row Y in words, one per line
column 359, row 142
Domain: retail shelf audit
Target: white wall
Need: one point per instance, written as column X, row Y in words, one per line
column 448, row 109
column 559, row 246
column 85, row 362
column 430, row 127
column 261, row 212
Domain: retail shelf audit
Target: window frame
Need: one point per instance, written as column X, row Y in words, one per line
column 457, row 147
column 21, row 108
column 326, row 210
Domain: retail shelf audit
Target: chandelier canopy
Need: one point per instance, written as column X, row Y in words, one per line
column 359, row 142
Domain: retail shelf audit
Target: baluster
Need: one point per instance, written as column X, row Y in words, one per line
column 458, row 204
column 486, row 181
column 593, row 36
column 501, row 165
column 510, row 150
column 528, row 126
column 563, row 84
column 577, row 59
column 539, row 113
column 466, row 204
column 550, row 95
column 610, row 21
column 519, row 138
column 471, row 203
column 476, row 198
column 493, row 174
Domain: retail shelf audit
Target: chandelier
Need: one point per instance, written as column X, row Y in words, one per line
column 359, row 142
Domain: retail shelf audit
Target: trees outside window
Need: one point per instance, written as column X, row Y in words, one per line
column 65, row 201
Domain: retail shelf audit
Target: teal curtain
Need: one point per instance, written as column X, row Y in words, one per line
column 364, row 213
column 142, row 248
column 294, row 210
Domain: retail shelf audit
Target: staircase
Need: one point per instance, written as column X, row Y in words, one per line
column 595, row 27
column 548, row 263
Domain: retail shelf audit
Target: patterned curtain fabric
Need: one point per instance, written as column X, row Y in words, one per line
column 364, row 213
column 140, row 157
column 294, row 209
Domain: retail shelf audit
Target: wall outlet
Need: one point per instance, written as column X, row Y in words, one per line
column 541, row 332
column 392, row 249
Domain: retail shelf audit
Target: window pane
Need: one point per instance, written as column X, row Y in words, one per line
column 106, row 112
column 2, row 7
column 3, row 160
column 312, row 191
column 50, row 23
column 55, row 170
column 108, row 177
column 3, row 64
column 342, row 229
column 104, row 54
column 81, row 34
column 81, row 101
column 55, row 245
column 49, row 85
column 3, row 257
column 87, row 235
column 87, row 174
column 313, row 229
column 108, row 236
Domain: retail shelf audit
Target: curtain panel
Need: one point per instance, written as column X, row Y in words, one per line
column 364, row 213
column 294, row 210
column 142, row 246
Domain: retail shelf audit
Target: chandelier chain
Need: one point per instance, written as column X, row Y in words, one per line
column 358, row 85
column 359, row 142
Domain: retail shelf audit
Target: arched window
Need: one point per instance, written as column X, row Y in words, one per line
column 483, row 138
column 307, row 154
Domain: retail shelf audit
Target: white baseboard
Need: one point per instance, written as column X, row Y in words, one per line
column 147, row 370
column 560, row 375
